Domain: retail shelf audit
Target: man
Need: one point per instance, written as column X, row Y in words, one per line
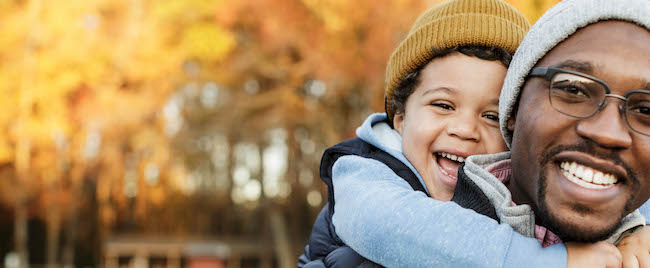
column 575, row 110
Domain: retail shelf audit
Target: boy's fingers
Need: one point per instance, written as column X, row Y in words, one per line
column 630, row 261
column 644, row 260
column 612, row 249
column 616, row 260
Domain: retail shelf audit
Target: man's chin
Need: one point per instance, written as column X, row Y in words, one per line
column 579, row 220
column 576, row 229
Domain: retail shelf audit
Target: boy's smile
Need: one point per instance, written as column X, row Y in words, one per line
column 448, row 164
column 451, row 114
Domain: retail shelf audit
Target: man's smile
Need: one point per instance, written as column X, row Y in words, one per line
column 586, row 176
column 589, row 179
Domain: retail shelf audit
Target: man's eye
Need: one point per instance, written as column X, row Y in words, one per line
column 641, row 109
column 571, row 88
column 443, row 106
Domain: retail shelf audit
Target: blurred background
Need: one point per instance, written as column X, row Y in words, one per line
column 181, row 133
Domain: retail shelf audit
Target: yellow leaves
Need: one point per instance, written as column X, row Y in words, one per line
column 532, row 9
column 208, row 42
column 6, row 151
column 170, row 10
column 106, row 66
column 329, row 12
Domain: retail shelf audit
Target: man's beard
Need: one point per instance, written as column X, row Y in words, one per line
column 559, row 225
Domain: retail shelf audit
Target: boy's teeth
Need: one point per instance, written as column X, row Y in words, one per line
column 587, row 177
column 452, row 157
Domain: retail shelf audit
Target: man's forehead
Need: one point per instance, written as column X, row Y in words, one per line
column 590, row 50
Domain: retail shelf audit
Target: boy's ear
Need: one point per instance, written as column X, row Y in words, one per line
column 398, row 122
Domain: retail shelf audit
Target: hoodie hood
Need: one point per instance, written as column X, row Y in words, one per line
column 376, row 131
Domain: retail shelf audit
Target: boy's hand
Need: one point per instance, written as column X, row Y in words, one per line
column 635, row 249
column 601, row 254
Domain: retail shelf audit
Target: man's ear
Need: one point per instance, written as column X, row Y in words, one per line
column 510, row 125
column 398, row 122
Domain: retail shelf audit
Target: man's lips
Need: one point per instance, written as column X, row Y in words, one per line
column 610, row 186
column 586, row 176
column 591, row 169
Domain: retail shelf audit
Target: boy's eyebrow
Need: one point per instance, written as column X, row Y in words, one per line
column 447, row 90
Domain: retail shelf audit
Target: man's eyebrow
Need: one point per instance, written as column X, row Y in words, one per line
column 580, row 66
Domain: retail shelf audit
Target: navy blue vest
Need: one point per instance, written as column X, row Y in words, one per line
column 325, row 248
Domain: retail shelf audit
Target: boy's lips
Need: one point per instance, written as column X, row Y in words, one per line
column 448, row 164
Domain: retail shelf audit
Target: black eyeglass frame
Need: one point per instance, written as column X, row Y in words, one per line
column 549, row 72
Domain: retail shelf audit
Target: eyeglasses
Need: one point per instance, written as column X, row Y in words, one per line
column 581, row 95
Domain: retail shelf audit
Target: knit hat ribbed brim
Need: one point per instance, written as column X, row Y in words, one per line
column 450, row 24
column 556, row 25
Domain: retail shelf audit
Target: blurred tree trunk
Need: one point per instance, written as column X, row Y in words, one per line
column 53, row 230
column 23, row 151
column 70, row 239
column 53, row 210
column 227, row 217
column 296, row 198
column 281, row 240
column 77, row 176
column 20, row 232
column 265, row 258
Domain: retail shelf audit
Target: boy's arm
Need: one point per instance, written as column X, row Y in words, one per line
column 380, row 216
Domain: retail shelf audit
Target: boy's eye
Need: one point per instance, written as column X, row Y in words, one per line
column 442, row 105
column 493, row 117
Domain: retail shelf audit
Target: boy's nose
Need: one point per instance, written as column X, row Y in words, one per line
column 464, row 128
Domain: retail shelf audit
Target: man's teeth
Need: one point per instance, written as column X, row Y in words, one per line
column 452, row 157
column 587, row 177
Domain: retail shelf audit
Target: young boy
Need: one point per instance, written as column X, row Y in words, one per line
column 442, row 88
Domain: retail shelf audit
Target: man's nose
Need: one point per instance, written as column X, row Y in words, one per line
column 607, row 128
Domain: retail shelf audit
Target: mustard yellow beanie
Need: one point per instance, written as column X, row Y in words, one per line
column 450, row 24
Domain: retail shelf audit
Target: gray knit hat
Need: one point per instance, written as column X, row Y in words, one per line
column 556, row 25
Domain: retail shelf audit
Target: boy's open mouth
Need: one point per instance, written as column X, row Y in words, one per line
column 448, row 164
